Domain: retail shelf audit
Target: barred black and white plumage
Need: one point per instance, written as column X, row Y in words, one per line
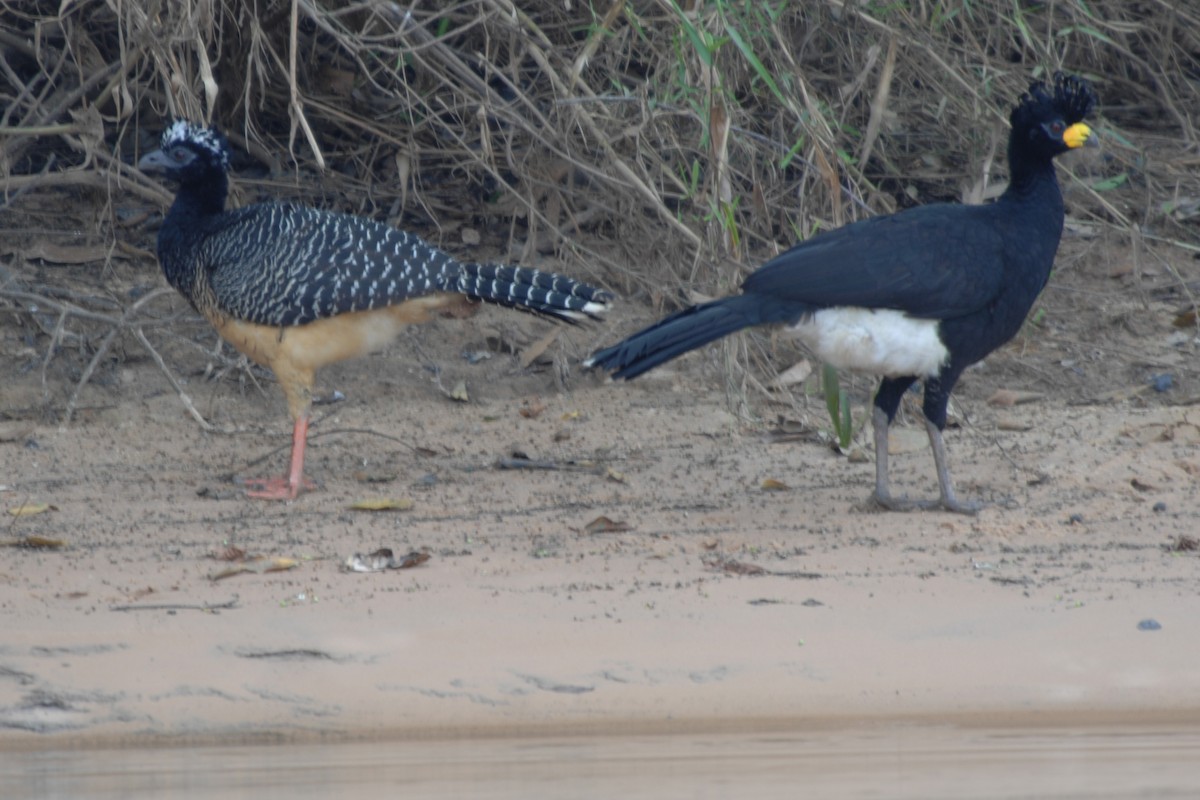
column 283, row 264
column 295, row 288
column 286, row 264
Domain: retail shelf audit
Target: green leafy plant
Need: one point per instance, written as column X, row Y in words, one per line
column 837, row 401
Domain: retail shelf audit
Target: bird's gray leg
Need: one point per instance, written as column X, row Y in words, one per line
column 883, row 496
column 949, row 501
column 879, row 422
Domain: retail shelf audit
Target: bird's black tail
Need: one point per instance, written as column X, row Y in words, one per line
column 679, row 333
column 532, row 290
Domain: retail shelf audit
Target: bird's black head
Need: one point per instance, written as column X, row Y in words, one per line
column 197, row 158
column 1049, row 120
column 189, row 154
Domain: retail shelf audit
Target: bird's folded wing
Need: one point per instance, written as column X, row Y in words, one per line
column 278, row 264
column 937, row 261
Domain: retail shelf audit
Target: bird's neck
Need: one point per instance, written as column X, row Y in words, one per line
column 1029, row 176
column 201, row 198
column 196, row 202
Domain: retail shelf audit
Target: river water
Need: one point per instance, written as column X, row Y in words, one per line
column 888, row 761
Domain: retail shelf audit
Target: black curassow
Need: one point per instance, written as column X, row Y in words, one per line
column 296, row 288
column 917, row 295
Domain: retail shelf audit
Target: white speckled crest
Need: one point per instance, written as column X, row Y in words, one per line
column 182, row 130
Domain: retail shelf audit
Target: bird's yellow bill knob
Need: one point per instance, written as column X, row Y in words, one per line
column 1078, row 135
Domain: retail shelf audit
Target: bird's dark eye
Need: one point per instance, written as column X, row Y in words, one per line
column 179, row 154
column 1057, row 128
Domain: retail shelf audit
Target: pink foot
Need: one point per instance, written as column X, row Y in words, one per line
column 275, row 488
column 285, row 487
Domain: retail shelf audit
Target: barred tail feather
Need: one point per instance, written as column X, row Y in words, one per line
column 532, row 290
column 677, row 334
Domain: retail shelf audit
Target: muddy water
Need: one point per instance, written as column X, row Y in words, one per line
column 886, row 762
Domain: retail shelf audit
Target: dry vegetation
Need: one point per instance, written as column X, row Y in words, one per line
column 658, row 147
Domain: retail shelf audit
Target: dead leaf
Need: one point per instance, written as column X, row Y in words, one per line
column 459, row 393
column 470, row 236
column 535, row 350
column 1184, row 544
column 383, row 504
column 772, row 485
column 279, row 564
column 1006, row 398
column 1007, row 423
column 30, row 509
column 606, row 525
column 383, row 559
column 614, row 475
column 734, row 567
column 363, row 476
column 35, row 543
column 532, row 410
column 796, row 373
column 231, row 553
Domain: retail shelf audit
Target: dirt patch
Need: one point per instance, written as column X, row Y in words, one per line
column 709, row 598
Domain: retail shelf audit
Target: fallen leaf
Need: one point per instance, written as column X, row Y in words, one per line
column 30, row 509
column 383, row 559
column 532, row 410
column 535, row 350
column 734, row 567
column 614, row 475
column 231, row 553
column 35, row 543
column 1012, row 397
column 363, row 476
column 258, row 566
column 772, row 485
column 459, row 393
column 1185, row 544
column 383, row 504
column 796, row 373
column 606, row 525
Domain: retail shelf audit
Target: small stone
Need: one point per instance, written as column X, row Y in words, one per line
column 1162, row 382
column 1149, row 625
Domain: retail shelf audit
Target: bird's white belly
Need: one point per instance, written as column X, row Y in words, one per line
column 882, row 341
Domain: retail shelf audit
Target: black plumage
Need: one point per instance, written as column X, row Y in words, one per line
column 296, row 288
column 917, row 295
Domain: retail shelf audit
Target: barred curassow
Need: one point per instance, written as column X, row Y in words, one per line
column 917, row 295
column 296, row 288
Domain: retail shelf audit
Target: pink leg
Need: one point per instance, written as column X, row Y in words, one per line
column 288, row 486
